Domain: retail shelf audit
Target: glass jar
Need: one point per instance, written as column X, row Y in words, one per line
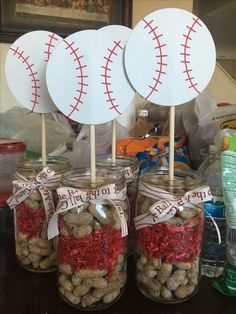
column 33, row 251
column 91, row 247
column 129, row 167
column 169, row 240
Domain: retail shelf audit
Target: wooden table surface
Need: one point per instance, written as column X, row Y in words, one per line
column 23, row 292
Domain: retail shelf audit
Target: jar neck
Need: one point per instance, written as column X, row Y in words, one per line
column 160, row 179
column 121, row 163
column 31, row 167
column 81, row 179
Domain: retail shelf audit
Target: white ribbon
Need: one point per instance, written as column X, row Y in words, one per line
column 70, row 198
column 22, row 188
column 167, row 204
column 129, row 174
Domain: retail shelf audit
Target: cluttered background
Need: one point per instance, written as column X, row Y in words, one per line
column 204, row 127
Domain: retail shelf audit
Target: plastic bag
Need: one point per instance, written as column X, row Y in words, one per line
column 80, row 156
column 20, row 124
column 211, row 119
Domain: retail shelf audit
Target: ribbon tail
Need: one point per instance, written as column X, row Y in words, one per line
column 15, row 199
column 148, row 219
column 49, row 207
column 53, row 227
column 121, row 216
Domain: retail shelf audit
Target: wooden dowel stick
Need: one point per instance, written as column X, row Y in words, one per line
column 113, row 145
column 43, row 140
column 171, row 142
column 92, row 155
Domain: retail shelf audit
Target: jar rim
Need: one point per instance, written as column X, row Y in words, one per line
column 121, row 162
column 57, row 163
column 79, row 176
column 152, row 173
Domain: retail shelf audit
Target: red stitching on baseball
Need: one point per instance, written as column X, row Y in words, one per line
column 80, row 68
column 50, row 45
column 107, row 77
column 32, row 75
column 185, row 54
column 160, row 56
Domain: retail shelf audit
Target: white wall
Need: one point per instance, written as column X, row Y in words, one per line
column 143, row 7
column 6, row 99
column 222, row 86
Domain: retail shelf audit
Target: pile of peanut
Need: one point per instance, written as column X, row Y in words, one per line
column 90, row 287
column 165, row 282
column 34, row 200
column 36, row 253
column 157, row 278
column 82, row 220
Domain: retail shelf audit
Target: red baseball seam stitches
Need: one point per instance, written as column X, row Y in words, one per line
column 160, row 56
column 82, row 84
column 190, row 78
column 107, row 77
column 32, row 75
column 50, row 45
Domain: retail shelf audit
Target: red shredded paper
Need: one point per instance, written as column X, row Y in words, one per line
column 172, row 243
column 29, row 221
column 99, row 250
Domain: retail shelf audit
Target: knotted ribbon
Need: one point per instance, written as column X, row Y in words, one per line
column 168, row 204
column 71, row 197
column 22, row 188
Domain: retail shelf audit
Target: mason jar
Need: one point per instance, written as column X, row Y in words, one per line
column 169, row 229
column 92, row 240
column 34, row 197
column 129, row 167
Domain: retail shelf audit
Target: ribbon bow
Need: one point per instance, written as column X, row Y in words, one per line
column 70, row 198
column 22, row 188
column 167, row 204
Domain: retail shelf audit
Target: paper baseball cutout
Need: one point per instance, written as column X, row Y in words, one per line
column 86, row 76
column 25, row 68
column 170, row 57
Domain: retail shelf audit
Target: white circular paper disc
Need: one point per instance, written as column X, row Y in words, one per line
column 170, row 57
column 86, row 76
column 25, row 68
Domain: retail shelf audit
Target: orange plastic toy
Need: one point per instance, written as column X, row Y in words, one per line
column 132, row 146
